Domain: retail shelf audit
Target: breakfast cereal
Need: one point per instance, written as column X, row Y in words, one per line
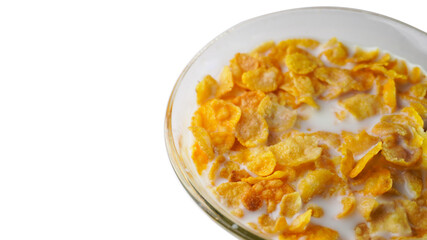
column 316, row 141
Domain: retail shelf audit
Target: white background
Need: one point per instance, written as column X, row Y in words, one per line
column 83, row 93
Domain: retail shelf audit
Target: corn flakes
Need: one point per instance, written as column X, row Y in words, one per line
column 346, row 125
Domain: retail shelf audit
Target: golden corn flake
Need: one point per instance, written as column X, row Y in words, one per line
column 361, row 232
column 290, row 204
column 415, row 119
column 281, row 225
column 264, row 47
column 206, row 89
column 203, row 140
column 272, row 226
column 261, row 79
column 361, row 55
column 361, row 164
column 225, row 82
column 222, row 141
column 279, row 118
column 363, row 80
column 392, row 219
column 378, row 182
column 304, row 90
column 249, row 101
column 300, row 223
column 300, row 63
column 215, row 167
column 413, row 183
column 217, row 115
column 317, row 210
column 296, row 150
column 339, row 81
column 275, row 175
column 358, row 143
column 396, row 154
column 349, row 204
column 416, row 214
column 260, row 155
column 361, row 105
column 366, row 206
column 200, row 158
column 303, row 42
column 272, row 191
column 226, row 114
column 246, row 62
column 260, row 161
column 335, row 52
column 252, row 129
column 315, row 182
column 346, row 163
column 228, row 168
column 238, row 212
column 313, row 232
column 252, row 200
column 389, row 95
column 418, row 91
column 232, row 192
column 416, row 75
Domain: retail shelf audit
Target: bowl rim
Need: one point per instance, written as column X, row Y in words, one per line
column 225, row 222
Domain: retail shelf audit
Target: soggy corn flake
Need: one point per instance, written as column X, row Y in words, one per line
column 259, row 160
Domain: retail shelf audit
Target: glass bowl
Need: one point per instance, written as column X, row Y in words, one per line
column 351, row 26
